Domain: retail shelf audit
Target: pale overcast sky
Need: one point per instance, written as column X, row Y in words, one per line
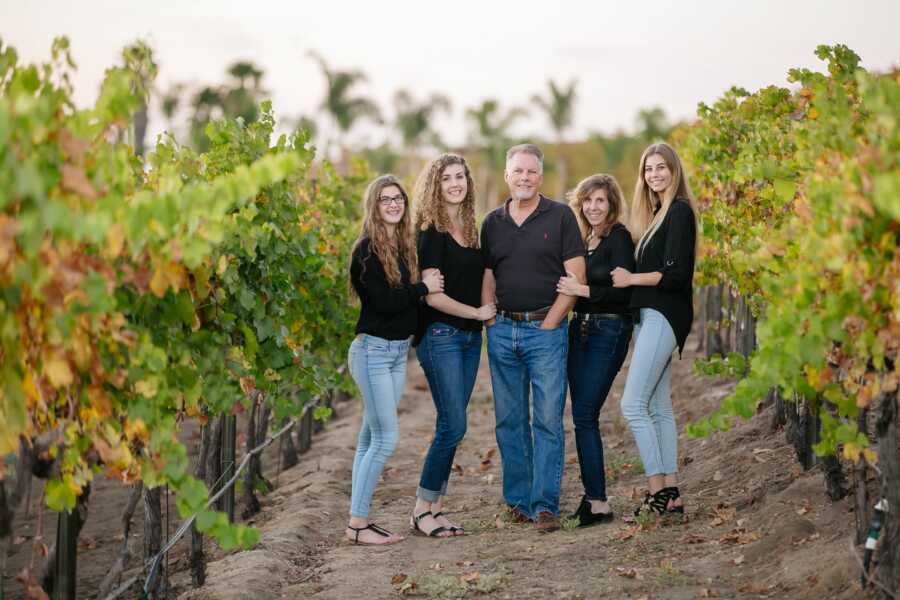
column 625, row 55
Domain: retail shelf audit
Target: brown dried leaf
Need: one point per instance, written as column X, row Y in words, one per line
column 485, row 465
column 692, row 538
column 752, row 588
column 75, row 180
column 707, row 593
column 470, row 577
column 33, row 589
column 629, row 573
column 398, row 578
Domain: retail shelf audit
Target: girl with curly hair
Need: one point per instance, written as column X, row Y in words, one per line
column 599, row 331
column 450, row 329
column 383, row 275
column 664, row 227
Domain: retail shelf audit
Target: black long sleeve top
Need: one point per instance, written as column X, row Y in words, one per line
column 388, row 312
column 671, row 252
column 614, row 250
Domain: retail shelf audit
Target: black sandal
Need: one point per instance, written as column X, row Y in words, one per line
column 587, row 518
column 453, row 528
column 414, row 523
column 672, row 495
column 654, row 503
column 380, row 531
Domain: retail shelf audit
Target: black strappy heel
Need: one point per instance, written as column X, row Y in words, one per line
column 380, row 531
column 672, row 494
column 453, row 528
column 654, row 503
column 414, row 523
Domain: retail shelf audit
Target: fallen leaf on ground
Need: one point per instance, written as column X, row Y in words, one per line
column 707, row 593
column 33, row 589
column 488, row 454
column 457, row 469
column 485, row 465
column 464, row 563
column 692, row 538
column 629, row 573
column 738, row 559
column 398, row 578
column 626, row 534
column 753, row 588
column 470, row 577
column 739, row 536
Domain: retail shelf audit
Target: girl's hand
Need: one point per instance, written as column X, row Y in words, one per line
column 486, row 312
column 434, row 281
column 569, row 285
column 621, row 277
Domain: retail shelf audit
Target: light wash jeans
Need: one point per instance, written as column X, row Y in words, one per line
column 647, row 399
column 525, row 358
column 378, row 367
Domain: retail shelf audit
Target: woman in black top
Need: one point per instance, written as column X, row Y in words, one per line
column 450, row 346
column 664, row 223
column 599, row 331
column 383, row 275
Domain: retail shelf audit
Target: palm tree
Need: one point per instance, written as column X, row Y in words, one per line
column 413, row 120
column 138, row 58
column 344, row 109
column 559, row 106
column 490, row 133
column 652, row 124
column 242, row 100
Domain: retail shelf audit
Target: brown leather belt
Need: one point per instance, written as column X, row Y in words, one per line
column 532, row 315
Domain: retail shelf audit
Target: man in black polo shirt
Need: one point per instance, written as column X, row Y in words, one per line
column 528, row 244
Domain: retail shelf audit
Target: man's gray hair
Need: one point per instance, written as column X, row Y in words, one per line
column 526, row 149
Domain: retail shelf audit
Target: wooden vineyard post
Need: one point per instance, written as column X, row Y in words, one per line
column 305, row 437
column 66, row 556
column 229, row 441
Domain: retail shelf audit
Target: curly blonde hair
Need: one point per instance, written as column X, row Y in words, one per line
column 614, row 195
column 430, row 209
column 389, row 251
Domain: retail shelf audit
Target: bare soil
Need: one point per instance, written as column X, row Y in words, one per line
column 756, row 525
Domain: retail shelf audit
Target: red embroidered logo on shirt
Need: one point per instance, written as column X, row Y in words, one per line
column 546, row 236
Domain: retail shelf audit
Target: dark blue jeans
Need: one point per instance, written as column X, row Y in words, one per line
column 525, row 358
column 450, row 358
column 597, row 350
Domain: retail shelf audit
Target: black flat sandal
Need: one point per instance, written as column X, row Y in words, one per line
column 436, row 532
column 380, row 531
column 453, row 528
column 587, row 518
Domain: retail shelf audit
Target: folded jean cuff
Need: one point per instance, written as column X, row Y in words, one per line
column 427, row 495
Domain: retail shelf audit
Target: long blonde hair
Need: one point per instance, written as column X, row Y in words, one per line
column 389, row 251
column 614, row 195
column 644, row 224
column 429, row 200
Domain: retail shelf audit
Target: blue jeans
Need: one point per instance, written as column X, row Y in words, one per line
column 524, row 357
column 378, row 367
column 597, row 349
column 647, row 399
column 450, row 358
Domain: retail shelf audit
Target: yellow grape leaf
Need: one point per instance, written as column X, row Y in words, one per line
column 115, row 240
column 223, row 264
column 136, row 428
column 852, row 451
column 31, row 391
column 100, row 400
column 81, row 348
column 159, row 284
column 176, row 275
column 57, row 372
column 146, row 387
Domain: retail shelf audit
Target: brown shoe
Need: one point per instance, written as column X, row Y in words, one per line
column 546, row 522
column 517, row 516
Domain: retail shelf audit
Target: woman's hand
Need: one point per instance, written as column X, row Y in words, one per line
column 486, row 312
column 570, row 286
column 434, row 281
column 621, row 277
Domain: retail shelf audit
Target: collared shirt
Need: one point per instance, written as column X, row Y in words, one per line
column 527, row 259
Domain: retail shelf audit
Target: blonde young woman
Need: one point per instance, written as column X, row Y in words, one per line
column 450, row 346
column 664, row 226
column 599, row 331
column 383, row 274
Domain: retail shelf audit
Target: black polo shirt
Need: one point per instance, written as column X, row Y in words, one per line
column 527, row 260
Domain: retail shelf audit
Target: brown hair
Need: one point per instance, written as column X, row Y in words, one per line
column 429, row 200
column 583, row 191
column 389, row 251
column 643, row 222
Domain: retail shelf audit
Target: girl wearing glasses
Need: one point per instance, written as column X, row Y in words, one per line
column 449, row 348
column 383, row 275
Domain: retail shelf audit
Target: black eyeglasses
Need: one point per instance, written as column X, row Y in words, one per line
column 388, row 200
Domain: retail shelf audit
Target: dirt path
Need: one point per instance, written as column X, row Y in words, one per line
column 755, row 526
